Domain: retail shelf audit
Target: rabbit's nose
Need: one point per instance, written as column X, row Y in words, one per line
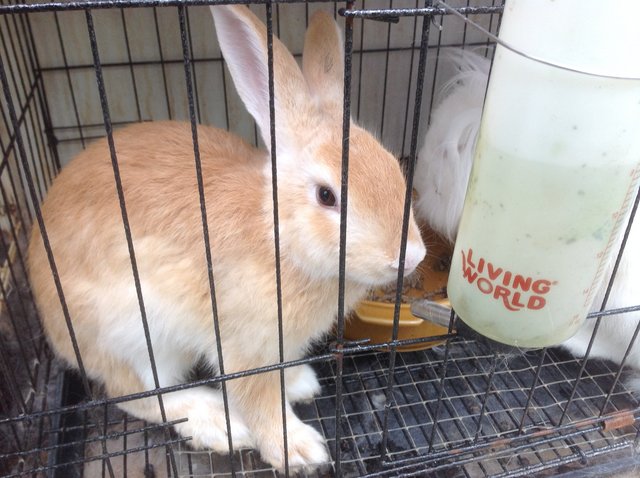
column 414, row 255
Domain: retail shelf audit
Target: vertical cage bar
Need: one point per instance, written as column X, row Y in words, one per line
column 491, row 18
column 411, row 62
column 148, row 470
column 44, row 430
column 360, row 60
column 224, row 92
column 623, row 245
column 67, row 70
column 424, row 43
column 125, row 426
column 485, row 397
column 42, row 97
column 344, row 189
column 105, row 424
column 435, row 70
column 443, row 376
column 386, row 75
column 34, row 80
column 532, row 389
column 205, row 225
column 130, row 63
column 162, row 63
column 464, row 30
column 276, row 226
column 125, row 221
column 193, row 68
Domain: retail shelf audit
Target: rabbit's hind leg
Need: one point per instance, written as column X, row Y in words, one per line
column 301, row 384
column 203, row 407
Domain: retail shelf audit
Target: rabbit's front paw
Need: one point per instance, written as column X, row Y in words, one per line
column 302, row 384
column 306, row 448
column 210, row 432
column 206, row 423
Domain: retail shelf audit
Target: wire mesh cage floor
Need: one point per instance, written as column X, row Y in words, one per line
column 455, row 410
column 478, row 410
column 483, row 419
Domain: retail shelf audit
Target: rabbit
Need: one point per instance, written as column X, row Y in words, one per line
column 156, row 161
column 444, row 161
column 442, row 173
column 615, row 332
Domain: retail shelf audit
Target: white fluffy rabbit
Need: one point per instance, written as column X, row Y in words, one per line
column 156, row 160
column 442, row 173
column 444, row 161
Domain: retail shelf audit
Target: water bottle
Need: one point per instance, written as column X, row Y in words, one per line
column 555, row 171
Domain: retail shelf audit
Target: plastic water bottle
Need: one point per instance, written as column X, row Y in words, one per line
column 556, row 168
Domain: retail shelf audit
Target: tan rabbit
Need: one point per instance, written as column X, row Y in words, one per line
column 156, row 160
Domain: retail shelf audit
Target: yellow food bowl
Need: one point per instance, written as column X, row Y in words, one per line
column 373, row 319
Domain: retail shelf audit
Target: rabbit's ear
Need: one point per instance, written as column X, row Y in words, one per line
column 243, row 41
column 322, row 60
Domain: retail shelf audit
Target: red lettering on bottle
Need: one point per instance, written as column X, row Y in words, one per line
column 516, row 300
column 493, row 273
column 484, row 285
column 503, row 293
column 536, row 302
column 522, row 283
column 469, row 257
column 506, row 278
column 467, row 271
column 541, row 286
column 505, row 286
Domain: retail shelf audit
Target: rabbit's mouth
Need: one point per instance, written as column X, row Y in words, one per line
column 379, row 269
column 384, row 276
column 414, row 254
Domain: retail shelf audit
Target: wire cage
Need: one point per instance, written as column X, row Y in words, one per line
column 72, row 72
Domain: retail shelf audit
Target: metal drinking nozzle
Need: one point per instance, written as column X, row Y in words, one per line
column 440, row 314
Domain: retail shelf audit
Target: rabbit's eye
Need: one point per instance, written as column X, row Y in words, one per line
column 325, row 196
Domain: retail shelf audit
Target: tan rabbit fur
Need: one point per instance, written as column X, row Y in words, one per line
column 83, row 220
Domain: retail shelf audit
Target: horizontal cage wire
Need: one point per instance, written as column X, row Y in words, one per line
column 75, row 72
